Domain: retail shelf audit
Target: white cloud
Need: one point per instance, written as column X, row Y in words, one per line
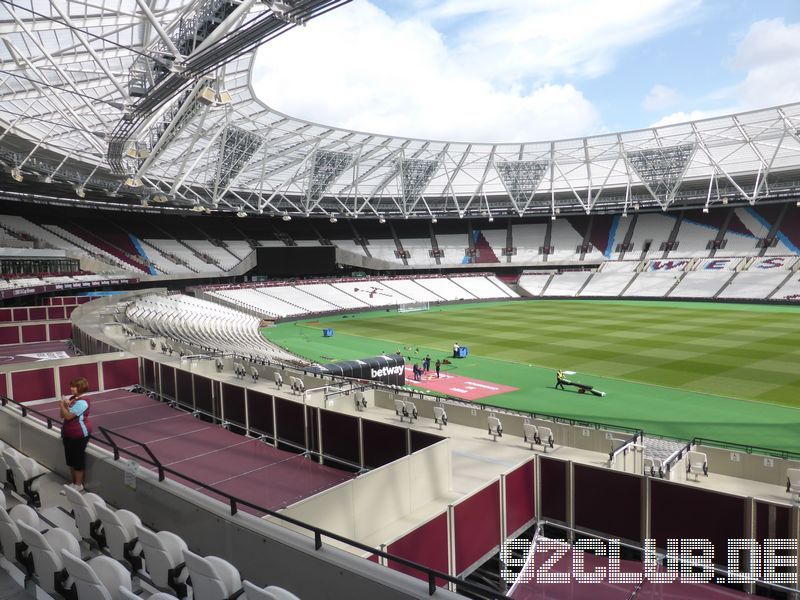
column 516, row 39
column 454, row 70
column 768, row 56
column 770, row 53
column 694, row 115
column 660, row 97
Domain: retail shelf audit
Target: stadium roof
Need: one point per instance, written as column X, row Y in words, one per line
column 130, row 100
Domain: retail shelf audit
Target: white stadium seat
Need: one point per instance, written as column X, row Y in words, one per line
column 45, row 549
column 212, row 577
column 98, row 579
column 163, row 556
column 253, row 592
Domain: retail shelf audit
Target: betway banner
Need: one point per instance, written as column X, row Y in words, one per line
column 386, row 369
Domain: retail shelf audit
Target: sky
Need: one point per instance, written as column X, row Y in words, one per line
column 529, row 70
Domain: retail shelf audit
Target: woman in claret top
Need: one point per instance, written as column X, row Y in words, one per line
column 75, row 430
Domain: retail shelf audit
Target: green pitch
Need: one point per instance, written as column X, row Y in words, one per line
column 717, row 371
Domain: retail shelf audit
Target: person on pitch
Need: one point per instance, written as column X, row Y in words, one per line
column 561, row 380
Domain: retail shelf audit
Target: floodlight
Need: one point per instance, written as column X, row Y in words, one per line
column 16, row 174
column 80, row 192
column 241, row 214
column 287, row 217
column 197, row 208
column 434, row 220
column 333, row 219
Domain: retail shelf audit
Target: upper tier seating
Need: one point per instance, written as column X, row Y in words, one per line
column 654, row 229
column 565, row 241
column 453, row 246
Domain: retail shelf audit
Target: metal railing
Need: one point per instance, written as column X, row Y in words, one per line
column 234, row 503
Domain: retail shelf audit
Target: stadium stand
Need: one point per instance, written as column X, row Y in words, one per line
column 609, row 283
column 165, row 170
column 206, row 326
column 534, row 283
column 567, row 284
column 528, row 240
column 700, row 284
column 565, row 240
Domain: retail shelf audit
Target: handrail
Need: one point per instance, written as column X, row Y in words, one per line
column 676, row 456
column 234, row 502
column 678, row 558
column 319, row 533
column 624, row 447
column 748, row 449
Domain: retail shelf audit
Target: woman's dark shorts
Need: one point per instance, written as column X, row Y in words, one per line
column 75, row 452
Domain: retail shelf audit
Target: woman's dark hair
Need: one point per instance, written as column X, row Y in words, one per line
column 80, row 384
